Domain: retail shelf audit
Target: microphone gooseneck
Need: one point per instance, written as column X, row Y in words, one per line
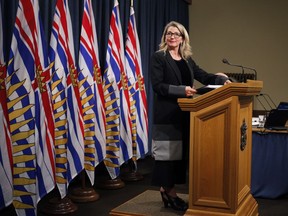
column 225, row 61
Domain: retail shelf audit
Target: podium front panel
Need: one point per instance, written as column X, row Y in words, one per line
column 219, row 165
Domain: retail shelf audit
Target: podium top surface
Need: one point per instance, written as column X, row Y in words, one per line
column 250, row 88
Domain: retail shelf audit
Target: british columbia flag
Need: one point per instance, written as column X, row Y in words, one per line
column 91, row 91
column 28, row 102
column 6, row 185
column 69, row 128
column 137, row 89
column 117, row 104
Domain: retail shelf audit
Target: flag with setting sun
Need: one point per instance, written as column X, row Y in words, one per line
column 6, row 187
column 117, row 104
column 91, row 92
column 137, row 90
column 67, row 109
column 29, row 110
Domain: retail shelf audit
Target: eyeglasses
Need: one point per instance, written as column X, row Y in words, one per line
column 175, row 34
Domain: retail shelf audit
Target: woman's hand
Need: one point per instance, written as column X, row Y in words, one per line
column 190, row 91
column 224, row 75
column 227, row 82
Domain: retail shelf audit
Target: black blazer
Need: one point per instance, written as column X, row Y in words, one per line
column 168, row 86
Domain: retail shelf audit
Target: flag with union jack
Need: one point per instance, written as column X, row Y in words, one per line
column 6, row 185
column 69, row 128
column 137, row 90
column 117, row 104
column 29, row 108
column 91, row 92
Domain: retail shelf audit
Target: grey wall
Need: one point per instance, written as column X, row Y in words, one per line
column 253, row 33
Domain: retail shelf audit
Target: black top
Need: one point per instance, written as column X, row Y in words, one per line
column 185, row 73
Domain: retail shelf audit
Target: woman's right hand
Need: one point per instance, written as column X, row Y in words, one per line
column 190, row 91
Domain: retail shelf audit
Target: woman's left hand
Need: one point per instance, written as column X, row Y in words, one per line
column 223, row 74
column 227, row 82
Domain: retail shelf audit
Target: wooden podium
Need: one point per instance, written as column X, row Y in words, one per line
column 220, row 150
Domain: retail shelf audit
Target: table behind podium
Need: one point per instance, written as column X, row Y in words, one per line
column 269, row 178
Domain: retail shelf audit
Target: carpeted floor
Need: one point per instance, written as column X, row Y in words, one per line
column 113, row 199
column 147, row 203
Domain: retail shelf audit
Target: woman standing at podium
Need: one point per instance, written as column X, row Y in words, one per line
column 172, row 74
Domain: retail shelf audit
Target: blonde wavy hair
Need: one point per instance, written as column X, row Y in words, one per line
column 185, row 50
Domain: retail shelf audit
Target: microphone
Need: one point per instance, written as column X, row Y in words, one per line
column 270, row 99
column 225, row 61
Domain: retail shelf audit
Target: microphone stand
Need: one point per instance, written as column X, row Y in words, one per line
column 264, row 95
column 255, row 72
column 266, row 111
column 225, row 61
column 243, row 79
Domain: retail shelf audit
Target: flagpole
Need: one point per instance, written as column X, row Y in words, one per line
column 83, row 193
